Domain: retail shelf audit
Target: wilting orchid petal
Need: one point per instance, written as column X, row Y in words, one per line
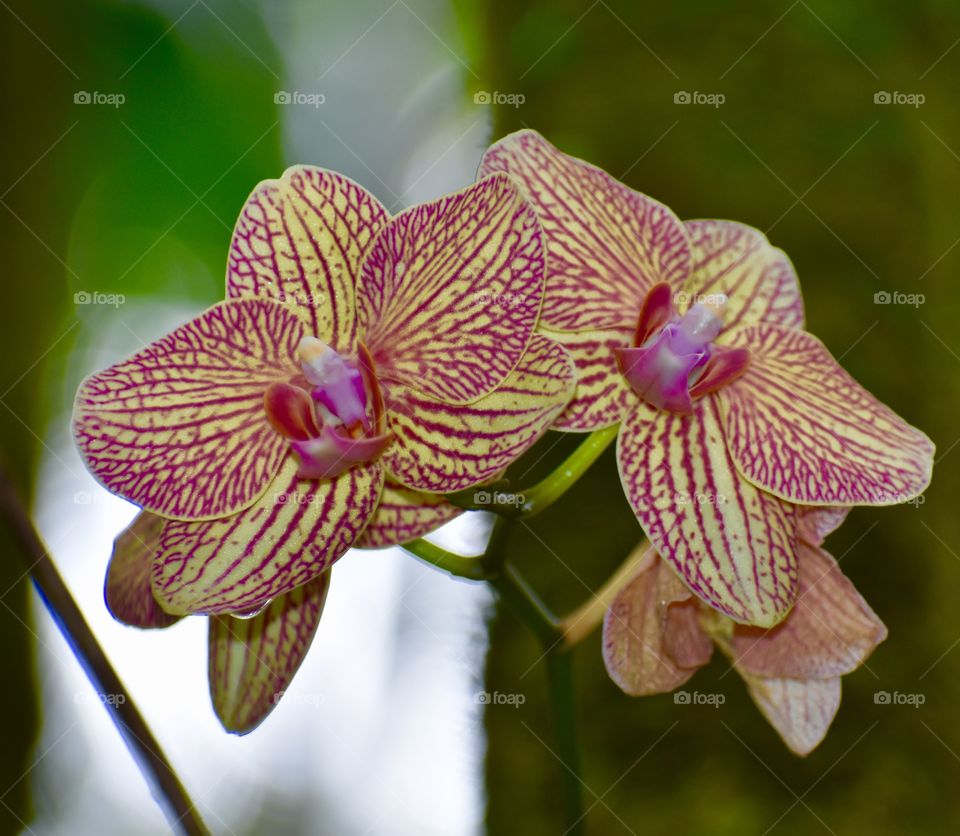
column 801, row 710
column 450, row 291
column 756, row 279
column 404, row 515
column 602, row 396
column 816, row 524
column 442, row 448
column 291, row 535
column 800, row 427
column 652, row 641
column 301, row 240
column 830, row 631
column 606, row 243
column 253, row 660
column 180, row 428
column 734, row 545
column 127, row 589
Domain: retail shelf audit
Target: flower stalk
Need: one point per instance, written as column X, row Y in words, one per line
column 180, row 810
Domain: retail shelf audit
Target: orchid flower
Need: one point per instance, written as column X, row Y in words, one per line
column 690, row 335
column 360, row 367
column 261, row 430
column 656, row 634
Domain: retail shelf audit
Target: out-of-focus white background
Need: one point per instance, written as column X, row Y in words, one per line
column 380, row 732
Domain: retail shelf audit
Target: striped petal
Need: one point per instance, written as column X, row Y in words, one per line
column 602, row 396
column 253, row 660
column 734, row 545
column 301, row 240
column 404, row 515
column 800, row 710
column 292, row 534
column 652, row 641
column 803, row 429
column 736, row 261
column 450, row 291
column 607, row 245
column 180, row 428
column 441, row 447
column 127, row 589
column 830, row 631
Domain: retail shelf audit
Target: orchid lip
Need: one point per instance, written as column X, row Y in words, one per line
column 328, row 425
column 674, row 359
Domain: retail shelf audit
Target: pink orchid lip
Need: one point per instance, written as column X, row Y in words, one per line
column 673, row 359
column 323, row 412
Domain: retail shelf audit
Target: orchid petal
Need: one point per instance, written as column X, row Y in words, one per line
column 292, row 534
column 253, row 660
column 404, row 515
column 652, row 641
column 736, row 261
column 301, row 240
column 180, row 428
column 734, row 545
column 830, row 631
column 439, row 447
column 127, row 590
column 606, row 243
column 602, row 396
column 803, row 429
column 801, row 711
column 814, row 525
column 450, row 291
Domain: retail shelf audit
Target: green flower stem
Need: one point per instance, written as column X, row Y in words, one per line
column 542, row 495
column 526, row 605
column 502, row 500
column 180, row 810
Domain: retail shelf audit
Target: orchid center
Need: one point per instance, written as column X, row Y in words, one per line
column 673, row 359
column 331, row 413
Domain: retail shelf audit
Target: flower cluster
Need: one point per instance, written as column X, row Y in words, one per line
column 364, row 366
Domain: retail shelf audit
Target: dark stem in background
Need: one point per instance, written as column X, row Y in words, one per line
column 180, row 810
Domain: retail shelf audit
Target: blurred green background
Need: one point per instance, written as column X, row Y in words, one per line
column 863, row 195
